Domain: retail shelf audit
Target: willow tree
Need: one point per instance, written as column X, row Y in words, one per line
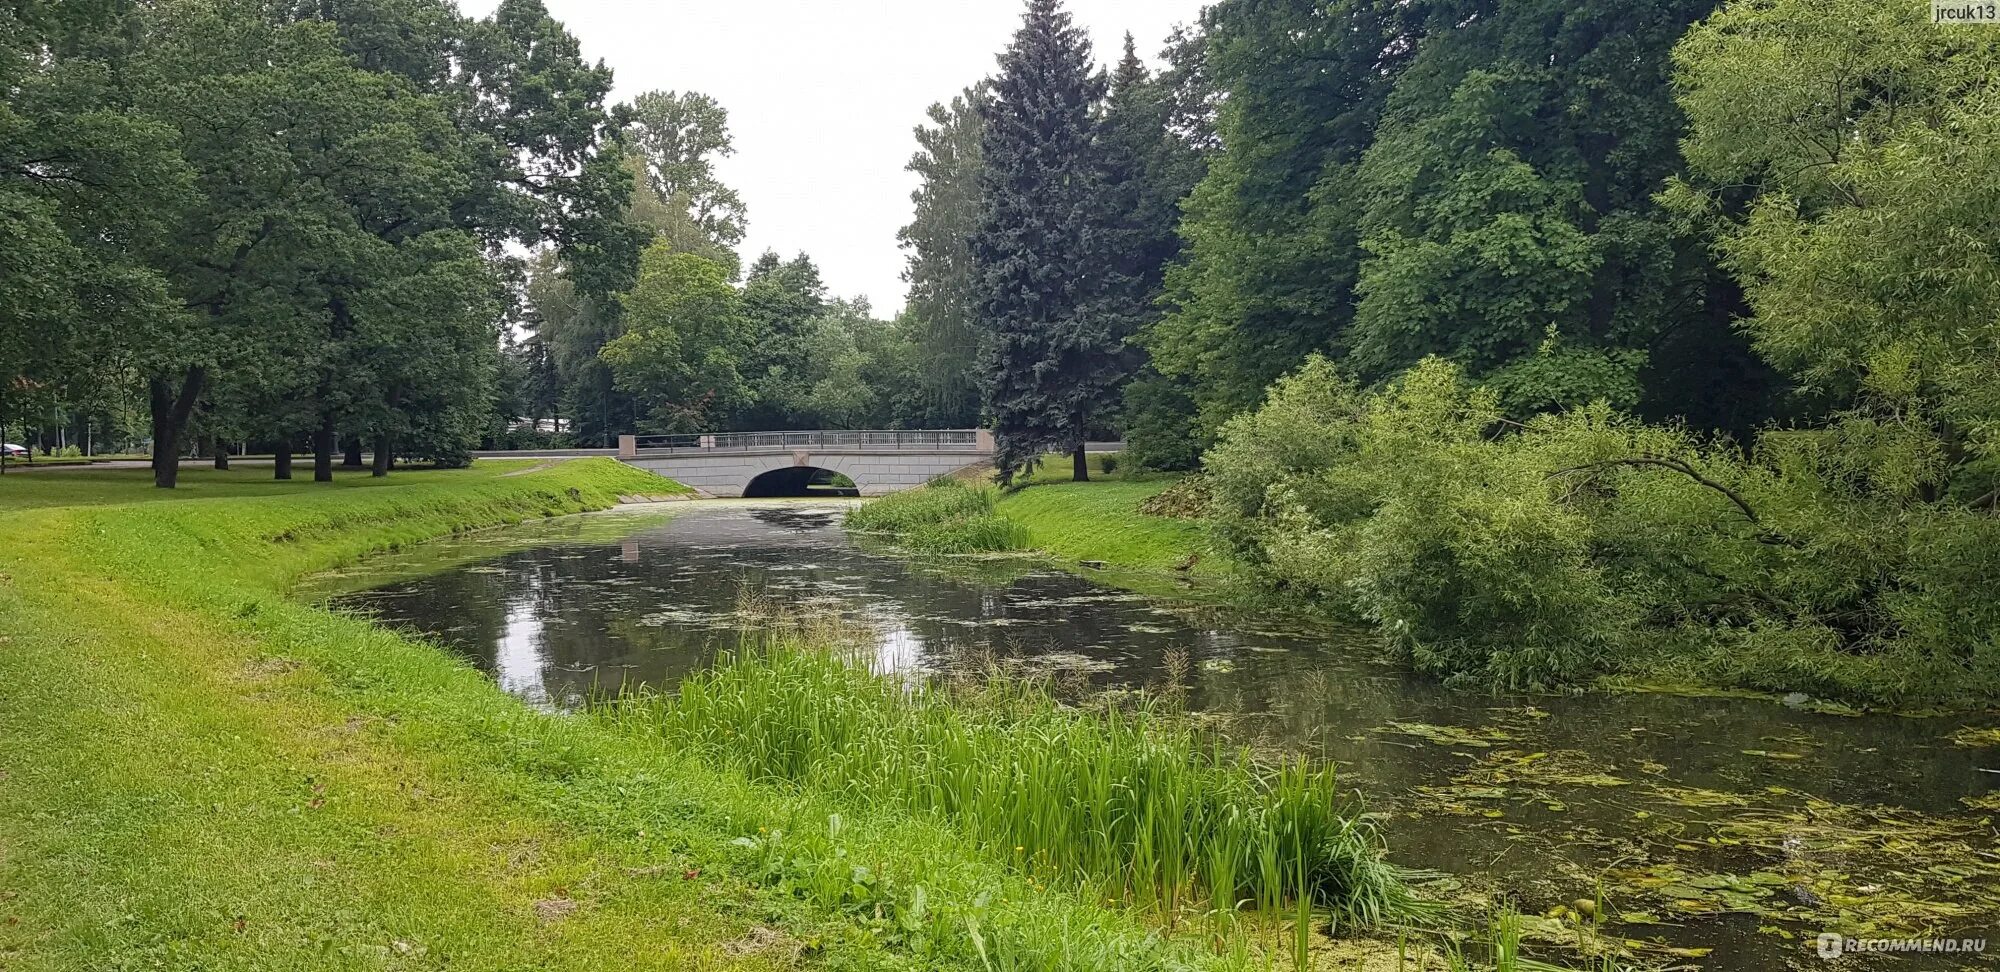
column 1846, row 154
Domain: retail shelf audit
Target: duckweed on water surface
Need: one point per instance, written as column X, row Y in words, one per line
column 1977, row 737
column 1689, row 854
column 1567, row 790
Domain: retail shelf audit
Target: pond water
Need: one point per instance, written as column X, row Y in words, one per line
column 1738, row 826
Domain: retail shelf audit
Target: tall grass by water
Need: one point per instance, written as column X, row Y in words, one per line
column 1138, row 805
column 946, row 516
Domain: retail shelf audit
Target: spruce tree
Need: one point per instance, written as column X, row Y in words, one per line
column 1051, row 360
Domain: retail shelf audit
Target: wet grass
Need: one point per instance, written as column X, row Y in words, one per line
column 1136, row 806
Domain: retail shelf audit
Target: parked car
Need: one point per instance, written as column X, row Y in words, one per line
column 12, row 451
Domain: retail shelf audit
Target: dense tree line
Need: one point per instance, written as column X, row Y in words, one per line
column 342, row 227
column 1377, row 181
column 1547, row 334
column 1836, row 166
column 1043, row 230
column 696, row 341
column 284, row 222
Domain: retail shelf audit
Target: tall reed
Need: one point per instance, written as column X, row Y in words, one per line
column 1138, row 804
column 946, row 516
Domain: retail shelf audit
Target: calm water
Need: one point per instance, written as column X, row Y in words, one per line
column 1735, row 825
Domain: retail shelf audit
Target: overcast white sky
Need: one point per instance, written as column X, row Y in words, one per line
column 822, row 96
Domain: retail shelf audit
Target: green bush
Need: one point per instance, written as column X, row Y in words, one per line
column 1396, row 507
column 1162, row 426
column 1831, row 560
column 946, row 516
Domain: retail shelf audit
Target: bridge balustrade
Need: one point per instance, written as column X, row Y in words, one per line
column 929, row 440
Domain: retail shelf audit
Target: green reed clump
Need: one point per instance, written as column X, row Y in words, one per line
column 1140, row 805
column 946, row 516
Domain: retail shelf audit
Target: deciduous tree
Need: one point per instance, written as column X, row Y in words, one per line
column 942, row 312
column 684, row 342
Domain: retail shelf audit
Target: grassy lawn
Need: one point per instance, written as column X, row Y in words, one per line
column 85, row 486
column 197, row 772
column 1097, row 522
column 1100, row 520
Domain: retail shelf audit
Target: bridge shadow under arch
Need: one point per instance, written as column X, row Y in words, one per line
column 796, row 481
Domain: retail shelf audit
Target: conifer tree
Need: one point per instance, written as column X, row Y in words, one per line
column 1050, row 362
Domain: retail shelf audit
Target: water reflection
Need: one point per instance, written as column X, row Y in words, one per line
column 517, row 658
column 1675, row 803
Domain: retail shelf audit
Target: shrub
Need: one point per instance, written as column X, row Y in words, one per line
column 1396, row 507
column 1834, row 560
column 1162, row 427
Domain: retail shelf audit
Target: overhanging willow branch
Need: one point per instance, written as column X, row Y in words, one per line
column 1666, row 462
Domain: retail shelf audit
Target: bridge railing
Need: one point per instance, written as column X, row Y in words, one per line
column 945, row 440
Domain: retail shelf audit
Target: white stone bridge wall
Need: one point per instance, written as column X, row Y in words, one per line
column 879, row 463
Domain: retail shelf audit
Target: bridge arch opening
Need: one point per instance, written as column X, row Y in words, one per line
column 795, row 481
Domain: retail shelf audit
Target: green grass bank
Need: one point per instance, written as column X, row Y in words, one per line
column 1104, row 521
column 1139, row 803
column 198, row 772
column 1101, row 526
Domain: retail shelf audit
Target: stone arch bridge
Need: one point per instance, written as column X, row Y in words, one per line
column 783, row 463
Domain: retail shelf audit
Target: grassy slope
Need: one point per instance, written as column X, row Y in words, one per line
column 196, row 772
column 82, row 486
column 1101, row 521
column 1097, row 521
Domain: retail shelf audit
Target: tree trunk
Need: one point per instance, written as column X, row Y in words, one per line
column 221, row 454
column 353, row 458
column 170, row 416
column 381, row 454
column 1079, row 465
column 323, row 451
column 281, row 465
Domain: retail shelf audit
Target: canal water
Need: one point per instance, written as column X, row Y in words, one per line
column 1721, row 833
